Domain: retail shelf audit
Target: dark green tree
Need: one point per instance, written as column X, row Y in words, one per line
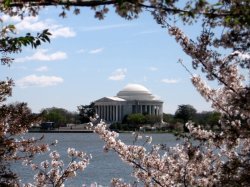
column 208, row 119
column 59, row 116
column 136, row 120
column 169, row 118
column 85, row 112
column 152, row 119
column 185, row 113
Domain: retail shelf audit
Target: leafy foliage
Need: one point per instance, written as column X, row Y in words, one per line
column 85, row 112
column 185, row 113
column 17, row 118
column 137, row 120
column 208, row 120
column 152, row 119
column 59, row 116
column 11, row 44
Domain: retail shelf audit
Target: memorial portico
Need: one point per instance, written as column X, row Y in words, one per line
column 133, row 98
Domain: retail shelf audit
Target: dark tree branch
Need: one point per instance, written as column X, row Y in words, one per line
column 93, row 3
column 61, row 3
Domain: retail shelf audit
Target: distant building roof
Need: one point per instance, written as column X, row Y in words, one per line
column 116, row 98
column 135, row 92
column 134, row 88
column 131, row 92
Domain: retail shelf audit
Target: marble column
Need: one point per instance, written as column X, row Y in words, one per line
column 116, row 113
column 113, row 117
column 106, row 112
column 111, row 113
column 120, row 115
column 121, row 111
column 101, row 113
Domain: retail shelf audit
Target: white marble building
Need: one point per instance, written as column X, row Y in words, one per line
column 133, row 98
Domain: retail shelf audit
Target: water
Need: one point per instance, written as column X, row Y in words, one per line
column 103, row 166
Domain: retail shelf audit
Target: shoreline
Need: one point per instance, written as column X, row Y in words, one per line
column 60, row 131
column 91, row 131
column 81, row 130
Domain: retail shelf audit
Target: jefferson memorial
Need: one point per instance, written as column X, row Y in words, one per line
column 133, row 98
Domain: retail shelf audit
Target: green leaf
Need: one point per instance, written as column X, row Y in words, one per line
column 6, row 3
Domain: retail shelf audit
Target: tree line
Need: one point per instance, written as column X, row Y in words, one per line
column 176, row 121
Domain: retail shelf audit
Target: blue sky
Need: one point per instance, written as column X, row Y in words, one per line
column 88, row 59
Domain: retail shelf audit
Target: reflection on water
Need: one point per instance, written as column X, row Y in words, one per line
column 103, row 166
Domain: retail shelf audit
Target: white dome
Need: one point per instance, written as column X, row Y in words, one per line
column 135, row 88
column 135, row 92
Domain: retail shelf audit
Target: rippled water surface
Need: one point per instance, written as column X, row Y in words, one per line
column 103, row 166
